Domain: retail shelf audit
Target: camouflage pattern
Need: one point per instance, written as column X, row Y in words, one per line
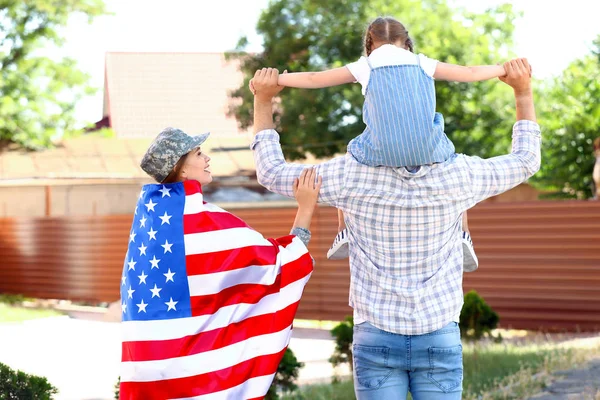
column 166, row 150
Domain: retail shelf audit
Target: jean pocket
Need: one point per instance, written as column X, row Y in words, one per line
column 371, row 365
column 446, row 367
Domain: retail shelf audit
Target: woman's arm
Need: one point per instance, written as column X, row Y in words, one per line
column 306, row 191
column 458, row 73
column 316, row 80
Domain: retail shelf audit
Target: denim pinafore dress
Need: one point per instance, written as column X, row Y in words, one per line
column 402, row 127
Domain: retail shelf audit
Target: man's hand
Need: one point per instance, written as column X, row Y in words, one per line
column 264, row 84
column 518, row 76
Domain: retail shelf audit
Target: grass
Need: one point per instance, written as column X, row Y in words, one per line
column 491, row 371
column 10, row 313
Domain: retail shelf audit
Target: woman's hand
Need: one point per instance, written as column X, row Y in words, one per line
column 306, row 191
column 306, row 188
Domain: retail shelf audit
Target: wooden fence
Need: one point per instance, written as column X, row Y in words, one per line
column 539, row 261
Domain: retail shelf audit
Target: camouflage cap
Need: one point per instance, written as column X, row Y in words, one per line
column 166, row 150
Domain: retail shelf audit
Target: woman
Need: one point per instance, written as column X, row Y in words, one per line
column 207, row 302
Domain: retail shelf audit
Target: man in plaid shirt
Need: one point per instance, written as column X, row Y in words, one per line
column 405, row 244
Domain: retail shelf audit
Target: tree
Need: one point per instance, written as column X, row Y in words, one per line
column 570, row 117
column 311, row 35
column 38, row 93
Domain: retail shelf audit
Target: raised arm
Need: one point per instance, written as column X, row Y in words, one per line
column 459, row 73
column 272, row 171
column 499, row 174
column 316, row 80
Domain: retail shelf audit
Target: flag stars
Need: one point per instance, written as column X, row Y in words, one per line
column 171, row 304
column 124, row 307
column 165, row 219
column 156, row 291
column 152, row 234
column 150, row 205
column 132, row 237
column 142, row 250
column 143, row 222
column 165, row 191
column 142, row 306
column 167, row 246
column 154, row 262
column 130, row 293
column 142, row 193
column 169, row 276
column 123, row 280
column 131, row 264
column 142, row 277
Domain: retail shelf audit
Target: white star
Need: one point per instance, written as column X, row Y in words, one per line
column 142, row 306
column 154, row 262
column 142, row 193
column 132, row 237
column 123, row 279
column 150, row 205
column 143, row 222
column 142, row 277
column 155, row 291
column 142, row 249
column 165, row 191
column 135, row 211
column 130, row 293
column 165, row 219
column 124, row 307
column 152, row 233
column 167, row 247
column 169, row 276
column 131, row 265
column 171, row 304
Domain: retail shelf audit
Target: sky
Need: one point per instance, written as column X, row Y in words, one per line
column 549, row 34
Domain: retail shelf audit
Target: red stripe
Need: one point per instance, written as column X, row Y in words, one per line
column 251, row 293
column 210, row 340
column 192, row 187
column 229, row 260
column 202, row 384
column 207, row 221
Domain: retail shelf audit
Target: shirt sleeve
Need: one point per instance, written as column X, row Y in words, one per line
column 428, row 64
column 303, row 234
column 277, row 175
column 492, row 176
column 360, row 70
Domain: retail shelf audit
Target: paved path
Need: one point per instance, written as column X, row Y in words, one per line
column 81, row 357
column 576, row 384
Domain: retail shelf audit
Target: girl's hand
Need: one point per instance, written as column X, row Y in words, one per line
column 306, row 188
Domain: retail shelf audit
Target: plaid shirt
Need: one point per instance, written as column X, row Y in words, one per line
column 405, row 227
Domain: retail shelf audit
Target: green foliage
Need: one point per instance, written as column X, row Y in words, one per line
column 343, row 334
column 11, row 299
column 570, row 120
column 477, row 318
column 38, row 93
column 17, row 385
column 312, row 35
column 117, row 388
column 287, row 373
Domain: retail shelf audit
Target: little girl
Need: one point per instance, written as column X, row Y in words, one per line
column 402, row 127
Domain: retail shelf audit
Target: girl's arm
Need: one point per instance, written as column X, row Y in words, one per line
column 458, row 73
column 316, row 80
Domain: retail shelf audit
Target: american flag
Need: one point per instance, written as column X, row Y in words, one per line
column 207, row 302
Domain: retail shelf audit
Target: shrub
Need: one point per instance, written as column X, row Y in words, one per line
column 477, row 318
column 343, row 333
column 11, row 299
column 117, row 388
column 17, row 385
column 285, row 378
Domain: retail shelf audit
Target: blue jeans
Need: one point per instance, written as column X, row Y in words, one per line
column 389, row 365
